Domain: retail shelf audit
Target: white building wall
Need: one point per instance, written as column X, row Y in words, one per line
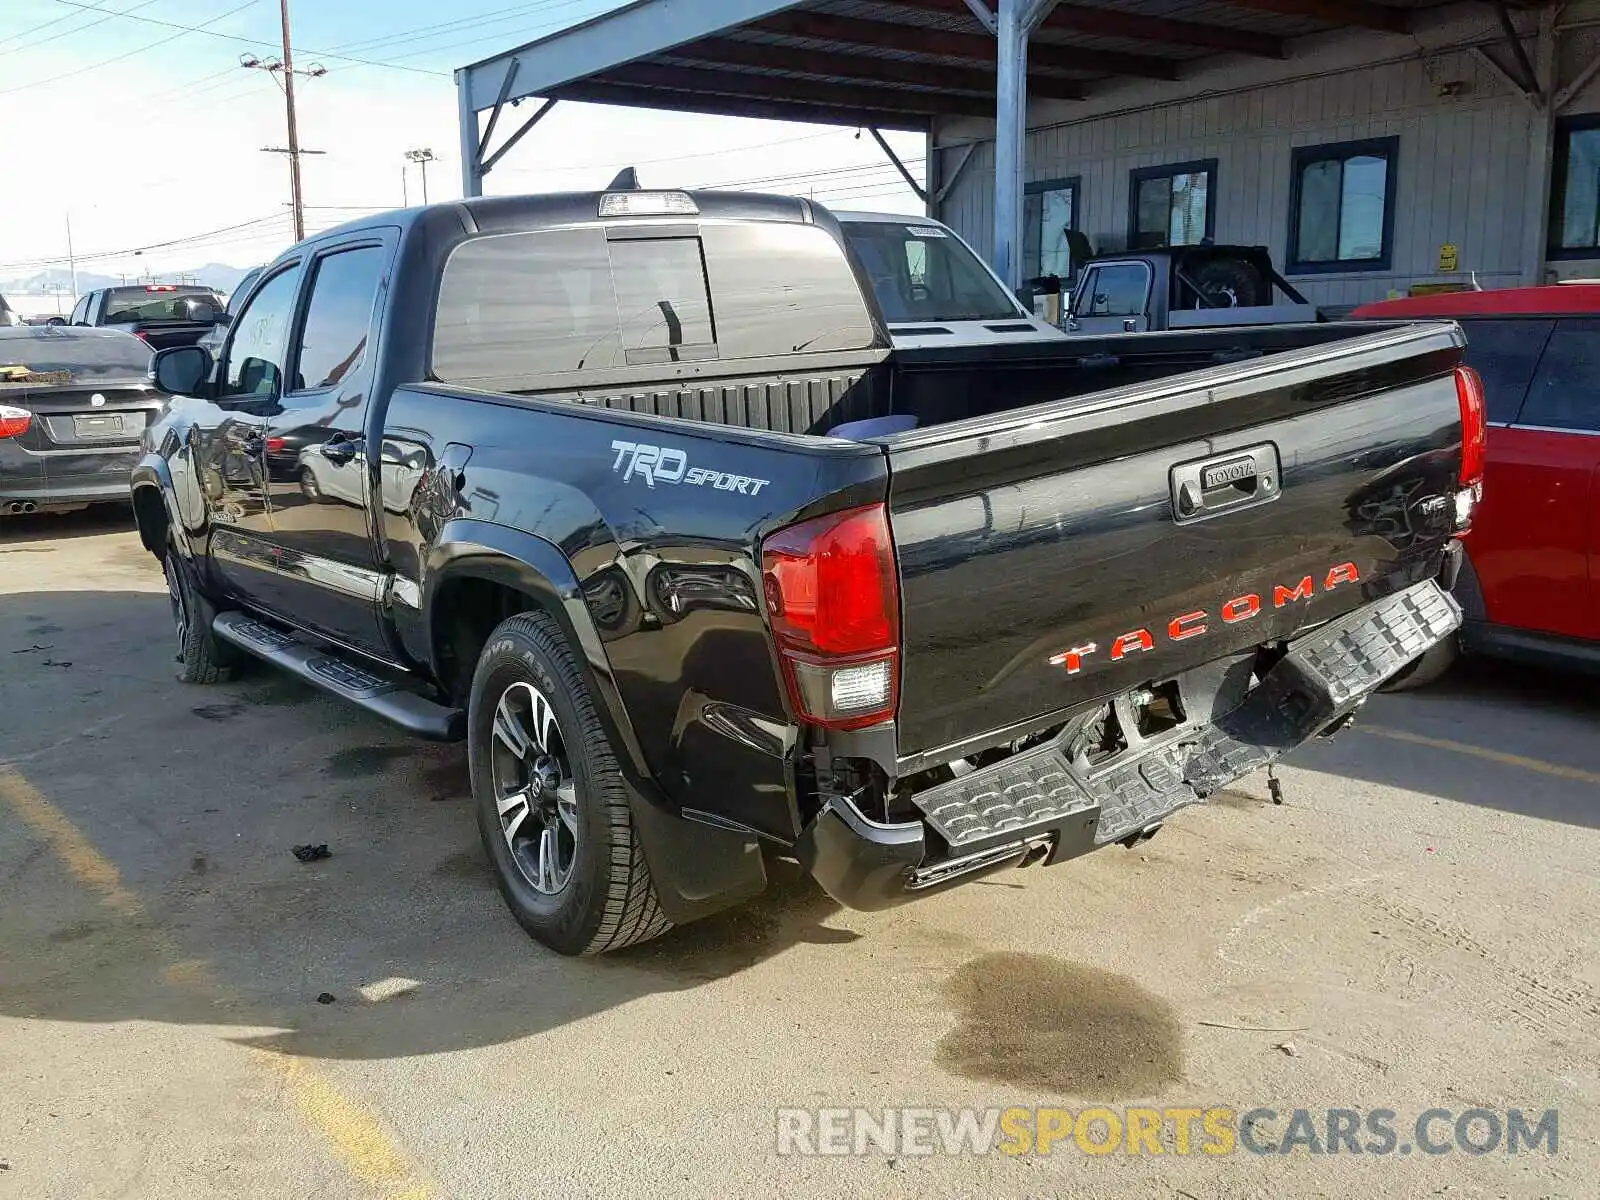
column 1464, row 162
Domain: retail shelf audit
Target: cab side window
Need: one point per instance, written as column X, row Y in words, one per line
column 1114, row 290
column 80, row 311
column 259, row 346
column 1565, row 393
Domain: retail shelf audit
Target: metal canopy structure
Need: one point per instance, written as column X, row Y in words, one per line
column 886, row 64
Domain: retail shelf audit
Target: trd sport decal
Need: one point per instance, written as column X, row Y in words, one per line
column 665, row 464
column 1198, row 624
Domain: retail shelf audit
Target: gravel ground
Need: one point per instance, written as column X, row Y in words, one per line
column 1413, row 929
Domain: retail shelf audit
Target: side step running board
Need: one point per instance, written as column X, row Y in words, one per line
column 343, row 678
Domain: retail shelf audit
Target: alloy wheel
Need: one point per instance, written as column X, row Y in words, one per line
column 536, row 793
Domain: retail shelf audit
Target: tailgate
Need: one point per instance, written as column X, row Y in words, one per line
column 1069, row 552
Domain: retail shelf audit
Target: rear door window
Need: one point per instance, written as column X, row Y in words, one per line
column 783, row 289
column 333, row 341
column 1505, row 352
column 1565, row 393
column 521, row 304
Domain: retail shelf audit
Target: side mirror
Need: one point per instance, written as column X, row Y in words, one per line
column 180, row 370
column 223, row 319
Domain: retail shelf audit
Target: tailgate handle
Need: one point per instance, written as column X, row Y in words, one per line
column 1225, row 483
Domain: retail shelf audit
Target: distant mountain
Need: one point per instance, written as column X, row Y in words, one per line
column 42, row 283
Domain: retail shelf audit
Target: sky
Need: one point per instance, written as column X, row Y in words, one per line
column 134, row 120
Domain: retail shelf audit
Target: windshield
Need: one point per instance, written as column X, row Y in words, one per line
column 177, row 304
column 924, row 273
column 34, row 354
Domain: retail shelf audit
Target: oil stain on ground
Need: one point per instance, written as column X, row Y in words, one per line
column 357, row 762
column 1029, row 1020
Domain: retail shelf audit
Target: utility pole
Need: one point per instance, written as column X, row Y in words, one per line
column 294, row 130
column 422, row 158
column 285, row 67
column 72, row 263
column 405, row 193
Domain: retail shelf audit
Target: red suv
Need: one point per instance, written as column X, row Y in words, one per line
column 1530, row 587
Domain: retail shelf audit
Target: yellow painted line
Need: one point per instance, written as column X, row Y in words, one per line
column 1558, row 770
column 357, row 1138
column 87, row 865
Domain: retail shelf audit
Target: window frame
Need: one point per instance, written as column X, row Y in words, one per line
column 1070, row 183
column 1301, row 157
column 1141, row 175
column 296, row 267
column 310, row 268
column 1560, row 156
column 1083, row 289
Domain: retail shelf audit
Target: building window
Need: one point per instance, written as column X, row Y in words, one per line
column 1575, row 194
column 1049, row 215
column 1171, row 206
column 1341, row 206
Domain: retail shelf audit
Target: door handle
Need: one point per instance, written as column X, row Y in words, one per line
column 343, row 451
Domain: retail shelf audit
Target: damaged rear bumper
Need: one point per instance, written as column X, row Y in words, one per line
column 1042, row 805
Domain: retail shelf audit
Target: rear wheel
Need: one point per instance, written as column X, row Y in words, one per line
column 552, row 803
column 1426, row 668
column 202, row 656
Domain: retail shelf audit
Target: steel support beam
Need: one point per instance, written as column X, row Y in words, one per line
column 594, row 92
column 488, row 163
column 804, row 91
column 910, row 179
column 1364, row 13
column 865, row 68
column 1016, row 21
column 467, row 120
column 1135, row 26
column 945, row 43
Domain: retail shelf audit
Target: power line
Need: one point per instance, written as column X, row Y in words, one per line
column 493, row 17
column 129, row 54
column 248, row 41
column 129, row 251
column 67, row 32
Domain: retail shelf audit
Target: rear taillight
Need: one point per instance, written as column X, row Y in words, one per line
column 275, row 445
column 1474, row 425
column 1474, row 445
column 834, row 601
column 14, row 422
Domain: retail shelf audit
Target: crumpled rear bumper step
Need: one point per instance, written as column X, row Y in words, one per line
column 1325, row 676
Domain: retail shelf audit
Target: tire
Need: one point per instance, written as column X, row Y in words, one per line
column 1426, row 668
column 562, row 801
column 308, row 485
column 1228, row 283
column 202, row 656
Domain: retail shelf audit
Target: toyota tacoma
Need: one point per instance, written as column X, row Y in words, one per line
column 634, row 492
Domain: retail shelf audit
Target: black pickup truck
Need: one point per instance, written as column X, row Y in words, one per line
column 158, row 314
column 630, row 491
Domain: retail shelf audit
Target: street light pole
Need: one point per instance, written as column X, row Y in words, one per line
column 422, row 158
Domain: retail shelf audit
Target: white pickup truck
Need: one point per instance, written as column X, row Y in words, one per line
column 933, row 289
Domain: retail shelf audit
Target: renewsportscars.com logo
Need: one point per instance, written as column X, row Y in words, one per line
column 668, row 464
column 1173, row 1131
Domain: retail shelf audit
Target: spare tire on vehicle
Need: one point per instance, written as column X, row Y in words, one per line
column 1227, row 283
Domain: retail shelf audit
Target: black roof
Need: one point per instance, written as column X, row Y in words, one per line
column 509, row 213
